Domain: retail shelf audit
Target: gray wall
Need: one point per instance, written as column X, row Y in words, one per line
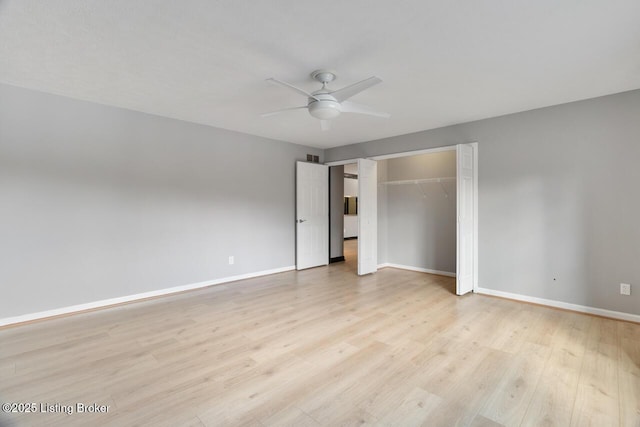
column 336, row 215
column 420, row 223
column 98, row 202
column 558, row 198
column 350, row 186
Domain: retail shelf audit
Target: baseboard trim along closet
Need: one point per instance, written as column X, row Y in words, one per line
column 421, row 270
column 563, row 305
column 130, row 298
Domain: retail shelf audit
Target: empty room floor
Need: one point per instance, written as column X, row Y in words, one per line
column 325, row 347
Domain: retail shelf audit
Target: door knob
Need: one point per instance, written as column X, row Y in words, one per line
column 300, row 221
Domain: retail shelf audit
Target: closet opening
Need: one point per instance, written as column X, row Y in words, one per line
column 420, row 212
column 417, row 213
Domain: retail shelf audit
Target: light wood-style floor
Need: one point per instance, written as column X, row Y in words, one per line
column 325, row 347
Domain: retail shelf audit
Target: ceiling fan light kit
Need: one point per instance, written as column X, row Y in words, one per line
column 325, row 108
column 324, row 104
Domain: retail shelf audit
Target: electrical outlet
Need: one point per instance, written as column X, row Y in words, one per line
column 625, row 289
column 231, row 260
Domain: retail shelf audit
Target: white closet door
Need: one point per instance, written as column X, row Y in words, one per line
column 467, row 202
column 367, row 216
column 312, row 215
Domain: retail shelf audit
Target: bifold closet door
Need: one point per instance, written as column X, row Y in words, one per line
column 367, row 216
column 467, row 207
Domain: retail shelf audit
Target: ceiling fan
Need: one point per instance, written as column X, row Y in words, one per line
column 325, row 104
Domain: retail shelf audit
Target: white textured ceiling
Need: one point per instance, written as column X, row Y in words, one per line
column 442, row 62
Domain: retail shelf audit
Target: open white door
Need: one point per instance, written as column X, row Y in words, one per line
column 312, row 215
column 367, row 216
column 467, row 189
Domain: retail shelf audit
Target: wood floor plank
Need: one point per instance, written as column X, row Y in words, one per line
column 629, row 374
column 510, row 399
column 630, row 404
column 553, row 400
column 362, row 387
column 357, row 418
column 291, row 416
column 414, row 409
column 193, row 422
column 597, row 395
column 480, row 421
column 258, row 389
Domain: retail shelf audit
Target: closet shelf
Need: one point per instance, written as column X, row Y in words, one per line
column 419, row 181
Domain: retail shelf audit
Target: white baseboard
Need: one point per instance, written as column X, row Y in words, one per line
column 135, row 297
column 421, row 270
column 564, row 305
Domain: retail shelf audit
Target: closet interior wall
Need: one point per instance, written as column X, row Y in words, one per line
column 336, row 213
column 417, row 211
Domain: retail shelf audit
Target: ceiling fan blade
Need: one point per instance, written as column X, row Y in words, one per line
column 273, row 113
column 290, row 86
column 348, row 91
column 325, row 125
column 352, row 107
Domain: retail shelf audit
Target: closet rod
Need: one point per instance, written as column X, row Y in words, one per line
column 419, row 181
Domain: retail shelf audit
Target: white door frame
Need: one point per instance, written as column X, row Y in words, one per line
column 364, row 226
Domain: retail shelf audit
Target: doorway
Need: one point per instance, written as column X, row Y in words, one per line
column 354, row 213
column 313, row 201
column 343, row 188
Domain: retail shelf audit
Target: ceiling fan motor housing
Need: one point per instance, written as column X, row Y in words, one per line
column 325, row 107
